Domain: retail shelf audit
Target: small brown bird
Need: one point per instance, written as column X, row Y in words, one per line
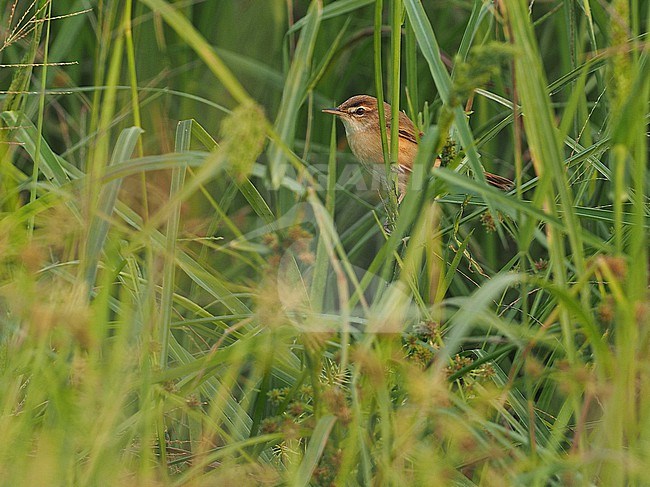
column 360, row 117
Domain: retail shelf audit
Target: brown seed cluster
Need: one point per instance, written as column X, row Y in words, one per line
column 297, row 240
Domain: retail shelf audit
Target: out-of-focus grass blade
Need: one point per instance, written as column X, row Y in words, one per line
column 596, row 214
column 464, row 318
column 607, row 216
column 188, row 33
column 327, row 59
column 191, row 374
column 431, row 52
column 247, row 189
column 202, row 135
column 518, row 402
column 315, row 448
column 63, row 45
column 203, row 277
column 293, row 93
column 479, row 11
column 154, row 163
column 429, row 47
column 543, row 138
column 182, row 144
column 331, row 237
column 510, row 205
column 100, row 224
column 591, row 65
column 319, row 279
column 221, row 456
column 26, row 133
column 450, row 272
column 43, row 203
column 630, row 158
column 332, row 10
column 460, row 480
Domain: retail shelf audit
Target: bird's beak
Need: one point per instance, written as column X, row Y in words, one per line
column 333, row 111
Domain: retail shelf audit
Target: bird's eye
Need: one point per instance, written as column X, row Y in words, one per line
column 360, row 111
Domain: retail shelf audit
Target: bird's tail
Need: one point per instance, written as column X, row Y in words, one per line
column 499, row 182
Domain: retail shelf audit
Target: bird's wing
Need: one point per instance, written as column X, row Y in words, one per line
column 499, row 182
column 408, row 136
column 407, row 129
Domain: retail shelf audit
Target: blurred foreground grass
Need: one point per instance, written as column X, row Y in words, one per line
column 195, row 284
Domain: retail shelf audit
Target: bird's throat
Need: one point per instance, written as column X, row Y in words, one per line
column 365, row 145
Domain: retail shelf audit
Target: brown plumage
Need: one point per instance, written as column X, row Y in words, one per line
column 360, row 116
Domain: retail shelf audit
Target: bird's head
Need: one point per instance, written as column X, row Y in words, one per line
column 359, row 113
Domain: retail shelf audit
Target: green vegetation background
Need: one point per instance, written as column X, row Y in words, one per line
column 196, row 288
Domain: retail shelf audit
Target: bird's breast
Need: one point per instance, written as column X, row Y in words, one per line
column 366, row 146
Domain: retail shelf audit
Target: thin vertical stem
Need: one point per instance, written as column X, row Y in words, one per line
column 135, row 102
column 41, row 107
column 396, row 38
column 411, row 72
column 379, row 81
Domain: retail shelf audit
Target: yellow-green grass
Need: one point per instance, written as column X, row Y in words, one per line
column 195, row 288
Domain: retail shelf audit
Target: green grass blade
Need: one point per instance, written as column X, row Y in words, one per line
column 334, row 9
column 197, row 42
column 26, row 133
column 315, row 448
column 294, row 93
column 431, row 52
column 181, row 144
column 100, row 223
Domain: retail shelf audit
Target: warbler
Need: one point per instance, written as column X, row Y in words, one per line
column 360, row 116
